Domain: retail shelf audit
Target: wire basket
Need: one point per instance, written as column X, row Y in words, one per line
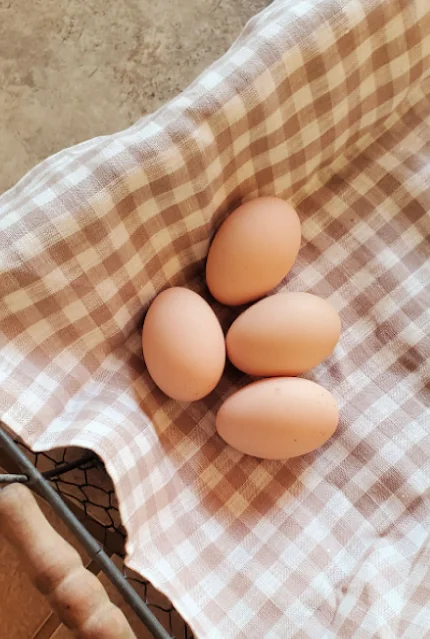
column 76, row 485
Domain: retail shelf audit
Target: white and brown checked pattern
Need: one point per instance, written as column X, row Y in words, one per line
column 325, row 103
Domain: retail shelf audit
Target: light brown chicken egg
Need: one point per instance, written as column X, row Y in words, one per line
column 183, row 345
column 283, row 335
column 253, row 250
column 278, row 418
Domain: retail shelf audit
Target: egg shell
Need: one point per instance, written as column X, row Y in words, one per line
column 183, row 344
column 283, row 335
column 278, row 418
column 253, row 250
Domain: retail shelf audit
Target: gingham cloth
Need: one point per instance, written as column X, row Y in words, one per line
column 326, row 104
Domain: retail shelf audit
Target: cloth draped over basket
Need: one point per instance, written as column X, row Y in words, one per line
column 324, row 103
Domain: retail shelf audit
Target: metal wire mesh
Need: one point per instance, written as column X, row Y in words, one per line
column 82, row 481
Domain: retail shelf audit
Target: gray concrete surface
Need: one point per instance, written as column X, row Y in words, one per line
column 73, row 69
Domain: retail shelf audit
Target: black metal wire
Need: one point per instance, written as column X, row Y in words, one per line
column 48, row 474
column 38, row 483
column 65, row 468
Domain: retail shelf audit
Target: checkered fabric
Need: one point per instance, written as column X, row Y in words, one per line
column 326, row 104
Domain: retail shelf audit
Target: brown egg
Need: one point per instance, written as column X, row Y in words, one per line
column 183, row 345
column 253, row 250
column 284, row 334
column 278, row 418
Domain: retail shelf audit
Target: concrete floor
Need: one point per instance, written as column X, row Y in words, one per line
column 71, row 70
